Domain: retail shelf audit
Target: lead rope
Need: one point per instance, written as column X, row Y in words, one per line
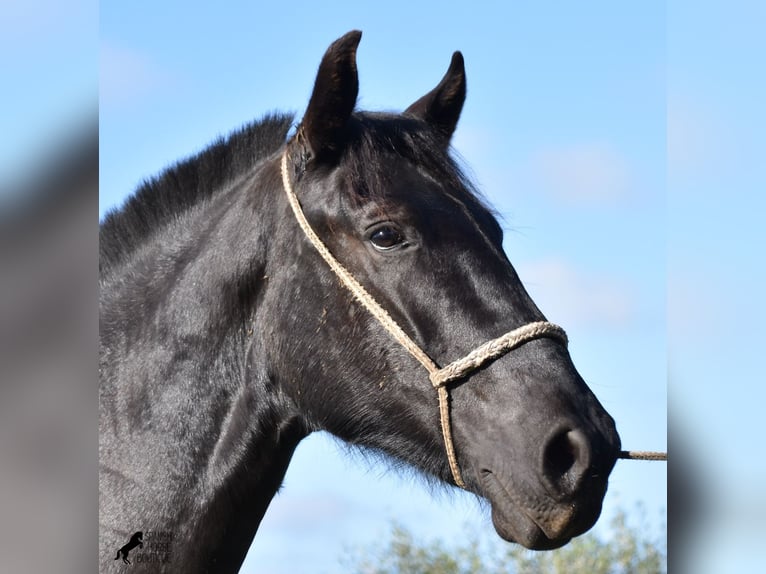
column 439, row 377
column 642, row 455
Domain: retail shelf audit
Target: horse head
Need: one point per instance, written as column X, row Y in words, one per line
column 388, row 201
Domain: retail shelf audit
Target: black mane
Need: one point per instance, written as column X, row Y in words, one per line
column 184, row 184
column 197, row 177
column 373, row 134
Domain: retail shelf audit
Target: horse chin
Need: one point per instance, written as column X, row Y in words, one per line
column 514, row 523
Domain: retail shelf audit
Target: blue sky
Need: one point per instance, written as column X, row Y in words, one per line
column 564, row 129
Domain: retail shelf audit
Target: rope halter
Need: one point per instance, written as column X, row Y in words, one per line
column 439, row 377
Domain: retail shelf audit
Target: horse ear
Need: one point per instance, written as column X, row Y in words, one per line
column 441, row 106
column 334, row 97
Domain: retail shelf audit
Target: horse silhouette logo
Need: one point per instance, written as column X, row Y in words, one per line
column 136, row 540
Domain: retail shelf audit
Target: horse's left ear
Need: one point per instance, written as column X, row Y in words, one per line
column 441, row 106
column 333, row 99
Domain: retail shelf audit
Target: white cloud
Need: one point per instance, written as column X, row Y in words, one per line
column 587, row 172
column 568, row 296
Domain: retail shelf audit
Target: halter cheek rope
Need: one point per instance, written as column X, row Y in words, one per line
column 439, row 377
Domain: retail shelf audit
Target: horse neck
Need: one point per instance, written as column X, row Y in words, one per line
column 194, row 438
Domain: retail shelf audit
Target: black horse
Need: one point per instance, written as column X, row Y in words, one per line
column 226, row 338
column 136, row 540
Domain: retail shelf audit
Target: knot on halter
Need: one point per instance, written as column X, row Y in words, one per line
column 439, row 377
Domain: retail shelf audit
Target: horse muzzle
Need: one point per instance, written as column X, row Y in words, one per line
column 544, row 508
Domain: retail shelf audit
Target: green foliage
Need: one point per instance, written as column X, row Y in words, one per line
column 624, row 551
column 403, row 555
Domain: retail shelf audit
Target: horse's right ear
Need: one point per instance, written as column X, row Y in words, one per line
column 333, row 99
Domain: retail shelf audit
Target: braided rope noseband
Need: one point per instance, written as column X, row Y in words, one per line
column 439, row 377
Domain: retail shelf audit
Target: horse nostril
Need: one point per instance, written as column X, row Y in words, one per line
column 566, row 459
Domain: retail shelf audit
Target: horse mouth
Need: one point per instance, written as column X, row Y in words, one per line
column 516, row 521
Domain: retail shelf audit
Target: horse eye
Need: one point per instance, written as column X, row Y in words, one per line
column 386, row 238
